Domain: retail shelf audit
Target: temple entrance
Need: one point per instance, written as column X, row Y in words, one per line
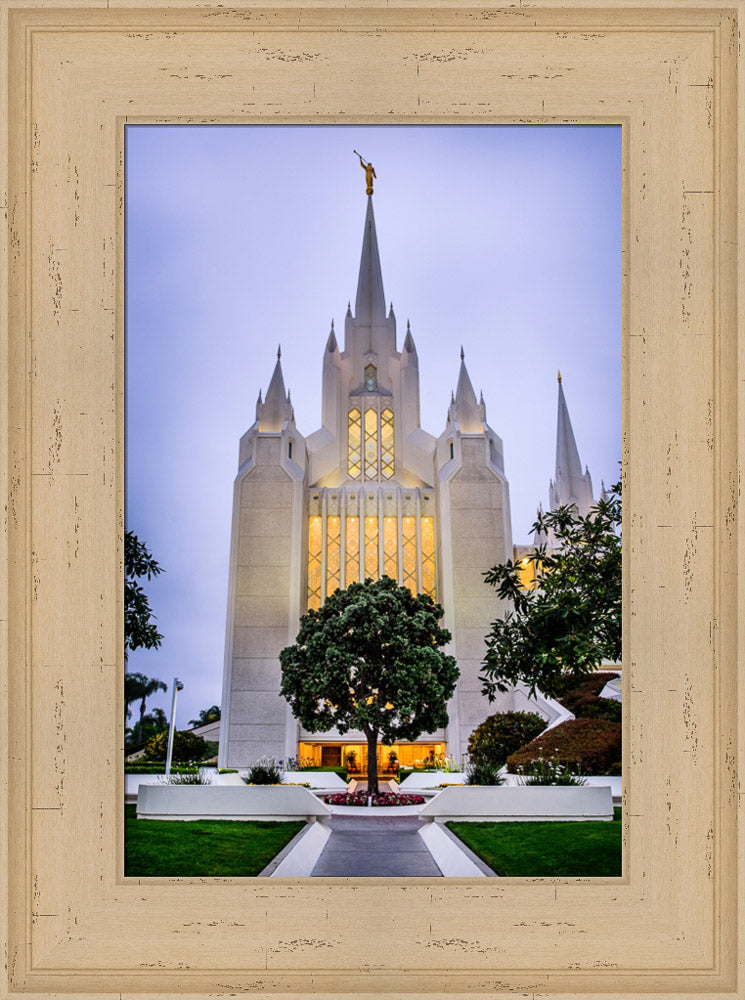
column 353, row 756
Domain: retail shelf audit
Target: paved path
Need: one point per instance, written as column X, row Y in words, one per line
column 383, row 845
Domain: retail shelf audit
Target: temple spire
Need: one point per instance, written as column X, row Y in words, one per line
column 276, row 408
column 370, row 302
column 467, row 410
column 570, row 485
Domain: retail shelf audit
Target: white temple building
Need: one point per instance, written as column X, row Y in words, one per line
column 370, row 493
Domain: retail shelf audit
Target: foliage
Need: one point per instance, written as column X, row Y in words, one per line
column 170, row 848
column 591, row 745
column 359, row 798
column 549, row 772
column 206, row 716
column 370, row 659
column 186, row 746
column 546, row 849
column 149, row 725
column 138, row 687
column 266, row 771
column 483, row 772
column 571, row 622
column 582, row 697
column 139, row 621
column 502, row 734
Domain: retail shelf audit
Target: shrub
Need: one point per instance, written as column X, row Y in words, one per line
column 590, row 745
column 483, row 773
column 159, row 768
column 548, row 772
column 502, row 734
column 266, row 771
column 598, row 708
column 186, row 746
column 576, row 693
column 185, row 778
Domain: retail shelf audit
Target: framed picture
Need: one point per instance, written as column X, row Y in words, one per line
column 76, row 75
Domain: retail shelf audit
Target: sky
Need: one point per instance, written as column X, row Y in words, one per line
column 505, row 240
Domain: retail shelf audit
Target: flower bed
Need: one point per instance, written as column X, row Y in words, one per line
column 381, row 799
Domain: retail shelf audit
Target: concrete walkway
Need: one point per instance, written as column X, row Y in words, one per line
column 375, row 846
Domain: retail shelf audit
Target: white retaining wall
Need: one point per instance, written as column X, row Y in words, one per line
column 266, row 802
column 520, row 804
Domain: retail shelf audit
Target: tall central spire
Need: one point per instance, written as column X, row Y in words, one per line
column 370, row 303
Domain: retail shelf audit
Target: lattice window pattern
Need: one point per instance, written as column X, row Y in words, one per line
column 315, row 542
column 353, row 550
column 371, row 444
column 371, row 547
column 354, row 425
column 390, row 547
column 387, row 463
column 371, row 378
column 333, row 554
column 408, row 553
column 429, row 576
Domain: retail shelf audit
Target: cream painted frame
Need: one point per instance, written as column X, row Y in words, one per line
column 672, row 926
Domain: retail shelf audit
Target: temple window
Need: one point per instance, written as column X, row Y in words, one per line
column 315, row 543
column 429, row 578
column 353, row 550
column 408, row 536
column 371, row 378
column 333, row 553
column 387, row 461
column 354, row 425
column 371, row 443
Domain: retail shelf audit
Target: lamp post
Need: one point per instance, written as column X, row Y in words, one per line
column 177, row 686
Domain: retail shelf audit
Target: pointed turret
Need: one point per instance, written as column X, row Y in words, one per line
column 370, row 303
column 331, row 344
column 466, row 410
column 276, row 408
column 409, row 345
column 570, row 486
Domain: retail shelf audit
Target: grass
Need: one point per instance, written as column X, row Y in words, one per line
column 154, row 847
column 568, row 850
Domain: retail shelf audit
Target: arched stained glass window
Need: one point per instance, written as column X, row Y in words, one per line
column 354, row 425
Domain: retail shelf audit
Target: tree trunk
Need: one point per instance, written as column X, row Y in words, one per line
column 142, row 718
column 372, row 762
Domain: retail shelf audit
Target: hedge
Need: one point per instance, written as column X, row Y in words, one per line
column 592, row 746
column 501, row 734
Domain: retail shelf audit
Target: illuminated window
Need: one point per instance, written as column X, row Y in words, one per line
column 355, row 444
column 527, row 571
column 371, row 378
column 452, row 449
column 353, row 550
column 371, row 444
column 315, row 540
column 408, row 538
column 386, row 443
column 390, row 560
column 429, row 578
column 333, row 554
column 371, row 547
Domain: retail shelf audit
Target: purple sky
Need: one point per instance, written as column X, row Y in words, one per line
column 505, row 239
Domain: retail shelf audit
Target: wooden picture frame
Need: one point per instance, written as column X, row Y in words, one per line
column 76, row 72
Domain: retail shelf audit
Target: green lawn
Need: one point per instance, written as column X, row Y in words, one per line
column 201, row 847
column 546, row 849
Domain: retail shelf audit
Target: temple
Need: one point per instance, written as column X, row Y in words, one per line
column 370, row 493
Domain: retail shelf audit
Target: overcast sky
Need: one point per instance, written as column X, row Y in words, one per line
column 503, row 239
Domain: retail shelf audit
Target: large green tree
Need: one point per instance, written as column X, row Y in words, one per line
column 139, row 621
column 570, row 622
column 370, row 659
column 206, row 715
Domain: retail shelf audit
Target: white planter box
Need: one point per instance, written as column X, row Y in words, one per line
column 328, row 780
column 504, row 803
column 265, row 802
column 430, row 779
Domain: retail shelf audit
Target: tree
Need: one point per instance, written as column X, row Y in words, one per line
column 139, row 687
column 206, row 716
column 571, row 622
column 370, row 659
column 152, row 724
column 139, row 620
